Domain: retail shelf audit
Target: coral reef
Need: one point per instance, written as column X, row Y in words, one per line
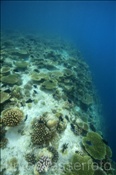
column 46, row 79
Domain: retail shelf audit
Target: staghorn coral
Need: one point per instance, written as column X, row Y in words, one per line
column 12, row 117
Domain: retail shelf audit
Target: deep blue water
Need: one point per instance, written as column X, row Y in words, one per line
column 91, row 25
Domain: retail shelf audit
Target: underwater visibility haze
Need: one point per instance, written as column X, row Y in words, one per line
column 58, row 86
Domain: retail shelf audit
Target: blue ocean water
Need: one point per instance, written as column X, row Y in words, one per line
column 91, row 25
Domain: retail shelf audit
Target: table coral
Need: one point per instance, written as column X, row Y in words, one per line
column 94, row 145
column 4, row 96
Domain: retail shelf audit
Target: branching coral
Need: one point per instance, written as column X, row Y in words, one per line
column 55, row 154
column 43, row 164
column 41, row 133
column 30, row 158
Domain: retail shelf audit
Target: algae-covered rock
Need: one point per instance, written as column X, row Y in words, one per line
column 94, row 145
column 10, row 79
column 79, row 165
column 4, row 96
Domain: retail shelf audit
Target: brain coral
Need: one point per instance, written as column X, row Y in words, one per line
column 94, row 145
column 12, row 117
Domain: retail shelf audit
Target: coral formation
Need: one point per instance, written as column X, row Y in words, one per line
column 39, row 77
column 3, row 140
column 108, row 151
column 55, row 154
column 99, row 171
column 12, row 117
column 5, row 70
column 49, row 85
column 30, row 158
column 41, row 133
column 43, row 164
column 82, row 165
column 4, row 96
column 21, row 65
column 11, row 79
column 94, row 145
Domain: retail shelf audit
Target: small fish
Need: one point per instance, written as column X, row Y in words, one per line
column 61, row 119
column 64, row 147
column 72, row 127
column 35, row 86
column 67, row 118
column 29, row 101
column 25, row 117
column 35, row 92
